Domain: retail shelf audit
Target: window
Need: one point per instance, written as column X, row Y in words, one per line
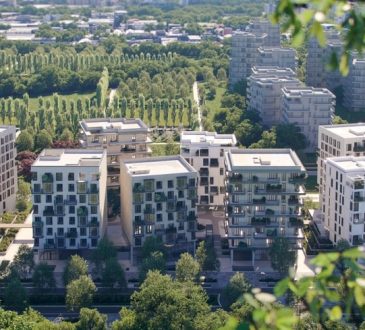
column 37, row 198
column 93, row 209
column 48, row 198
column 138, row 230
column 71, row 221
column 211, row 180
column 170, row 216
column 34, row 176
column 159, row 185
column 59, row 187
column 49, row 231
column 181, row 193
column 49, row 221
column 149, row 229
column 137, row 209
column 158, row 206
column 83, row 231
column 71, row 209
column 205, row 161
column 35, row 209
column 72, row 242
column 148, row 197
column 71, row 187
column 159, row 217
column 82, row 198
column 71, row 176
column 60, row 220
column 170, row 184
column 59, row 177
column 221, row 171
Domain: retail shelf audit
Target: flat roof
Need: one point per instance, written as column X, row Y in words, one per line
column 261, row 78
column 263, row 159
column 158, row 166
column 4, row 128
column 275, row 49
column 208, row 138
column 356, row 130
column 272, row 70
column 348, row 163
column 306, row 91
column 112, row 125
column 69, row 157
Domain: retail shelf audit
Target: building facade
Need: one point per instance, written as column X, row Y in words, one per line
column 344, row 199
column 354, row 86
column 277, row 56
column 205, row 152
column 263, row 200
column 8, row 171
column 158, row 198
column 308, row 108
column 264, row 95
column 69, row 199
column 337, row 141
column 243, row 55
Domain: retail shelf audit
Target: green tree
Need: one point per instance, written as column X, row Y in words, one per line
column 24, row 142
column 206, row 256
column 237, row 286
column 152, row 244
column 66, row 135
column 187, row 268
column 43, row 277
column 156, row 261
column 221, row 74
column 113, row 274
column 43, row 140
column 201, row 254
column 75, row 268
column 290, row 136
column 23, row 262
column 80, row 293
column 105, row 250
column 91, row 319
column 281, row 255
column 15, row 296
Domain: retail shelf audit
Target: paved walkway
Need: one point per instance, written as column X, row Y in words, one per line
column 197, row 101
column 24, row 236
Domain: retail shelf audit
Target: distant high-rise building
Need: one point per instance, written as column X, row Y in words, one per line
column 264, row 95
column 264, row 26
column 8, row 177
column 308, row 108
column 354, row 86
column 244, row 55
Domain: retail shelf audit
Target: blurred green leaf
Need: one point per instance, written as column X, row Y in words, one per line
column 324, row 259
column 335, row 313
column 281, row 287
column 359, row 296
column 354, row 253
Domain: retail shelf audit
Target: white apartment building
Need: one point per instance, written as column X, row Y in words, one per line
column 263, row 200
column 158, row 198
column 354, row 86
column 338, row 141
column 122, row 138
column 264, row 26
column 277, row 56
column 308, row 108
column 69, row 198
column 344, row 199
column 243, row 55
column 264, row 95
column 205, row 152
column 317, row 72
column 8, row 171
column 273, row 71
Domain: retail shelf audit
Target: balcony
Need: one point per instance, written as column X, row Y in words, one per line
column 47, row 178
column 149, row 185
column 160, row 197
column 71, row 234
column 191, row 226
column 295, row 222
column 192, row 194
column 293, row 200
column 214, row 191
column 81, row 187
column 260, row 221
column 48, row 212
column 272, row 188
column 70, row 201
column 298, row 178
column 93, row 223
column 37, row 224
column 93, row 199
column 359, row 198
column 93, row 233
column 359, row 147
column 149, row 211
column 82, row 211
column 359, row 184
column 214, row 162
column 58, row 200
column 191, row 217
column 181, row 183
column 128, row 149
column 138, row 188
column 235, row 178
column 47, row 188
column 259, row 200
column 82, row 221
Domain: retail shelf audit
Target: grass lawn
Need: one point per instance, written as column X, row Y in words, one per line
column 33, row 102
column 311, row 184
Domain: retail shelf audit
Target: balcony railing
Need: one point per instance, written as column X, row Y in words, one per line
column 260, row 221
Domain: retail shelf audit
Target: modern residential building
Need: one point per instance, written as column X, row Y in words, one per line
column 344, row 199
column 69, row 199
column 205, row 152
column 264, row 26
column 264, row 95
column 263, row 201
column 244, row 55
column 338, row 141
column 308, row 108
column 8, row 171
column 277, row 56
column 158, row 198
column 123, row 139
column 354, row 86
column 317, row 72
